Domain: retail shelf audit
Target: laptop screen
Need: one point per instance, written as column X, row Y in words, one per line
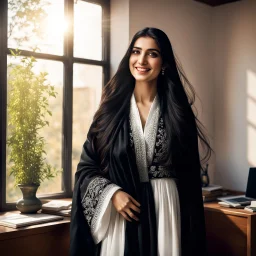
column 251, row 184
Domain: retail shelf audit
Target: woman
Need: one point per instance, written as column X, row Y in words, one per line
column 138, row 187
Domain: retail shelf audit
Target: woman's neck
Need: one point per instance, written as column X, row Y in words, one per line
column 144, row 92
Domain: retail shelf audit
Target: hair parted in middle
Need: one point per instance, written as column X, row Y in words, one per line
column 176, row 96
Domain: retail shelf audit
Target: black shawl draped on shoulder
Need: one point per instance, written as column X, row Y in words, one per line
column 123, row 172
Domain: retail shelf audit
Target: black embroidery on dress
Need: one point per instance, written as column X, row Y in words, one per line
column 91, row 197
column 155, row 170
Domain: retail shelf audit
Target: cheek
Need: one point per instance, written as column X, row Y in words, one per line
column 131, row 63
column 157, row 64
column 132, row 60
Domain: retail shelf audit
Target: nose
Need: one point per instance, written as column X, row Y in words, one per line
column 142, row 59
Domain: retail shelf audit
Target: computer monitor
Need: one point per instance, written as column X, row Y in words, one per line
column 250, row 194
column 251, row 183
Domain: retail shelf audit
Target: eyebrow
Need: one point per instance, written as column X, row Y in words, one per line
column 150, row 49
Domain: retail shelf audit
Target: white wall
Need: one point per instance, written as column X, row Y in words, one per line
column 188, row 25
column 235, row 92
column 217, row 49
column 119, row 32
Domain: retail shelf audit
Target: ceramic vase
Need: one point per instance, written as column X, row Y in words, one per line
column 29, row 203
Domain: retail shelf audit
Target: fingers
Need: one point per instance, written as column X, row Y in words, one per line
column 135, row 208
column 134, row 201
column 126, row 205
column 132, row 215
column 125, row 215
column 129, row 215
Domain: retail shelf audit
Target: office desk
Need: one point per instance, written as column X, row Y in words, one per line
column 230, row 231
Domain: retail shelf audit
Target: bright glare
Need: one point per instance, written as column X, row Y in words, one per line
column 52, row 31
column 55, row 25
column 251, row 131
column 251, row 84
column 87, row 30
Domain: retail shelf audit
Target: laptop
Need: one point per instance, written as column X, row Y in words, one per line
column 250, row 194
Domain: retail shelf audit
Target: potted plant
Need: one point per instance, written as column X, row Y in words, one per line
column 27, row 111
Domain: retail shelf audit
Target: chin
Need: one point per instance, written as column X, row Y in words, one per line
column 144, row 79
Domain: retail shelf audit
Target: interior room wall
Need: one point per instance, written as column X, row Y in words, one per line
column 216, row 47
column 188, row 26
column 234, row 27
column 119, row 32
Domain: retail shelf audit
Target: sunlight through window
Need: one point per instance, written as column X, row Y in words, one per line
column 251, row 117
column 51, row 26
column 87, row 30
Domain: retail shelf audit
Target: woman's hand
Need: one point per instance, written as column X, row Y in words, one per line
column 124, row 204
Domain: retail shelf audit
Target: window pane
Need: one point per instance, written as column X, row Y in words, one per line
column 87, row 30
column 51, row 133
column 36, row 24
column 87, row 87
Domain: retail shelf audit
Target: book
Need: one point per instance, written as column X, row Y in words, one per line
column 237, row 200
column 213, row 192
column 253, row 203
column 250, row 208
column 224, row 204
column 22, row 220
column 209, row 198
column 57, row 205
column 65, row 213
column 211, row 187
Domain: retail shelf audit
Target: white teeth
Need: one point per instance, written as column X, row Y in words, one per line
column 142, row 69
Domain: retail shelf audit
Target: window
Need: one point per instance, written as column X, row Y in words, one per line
column 70, row 41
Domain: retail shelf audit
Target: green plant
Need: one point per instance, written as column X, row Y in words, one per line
column 28, row 108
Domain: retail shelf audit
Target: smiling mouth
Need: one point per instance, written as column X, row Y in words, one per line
column 142, row 69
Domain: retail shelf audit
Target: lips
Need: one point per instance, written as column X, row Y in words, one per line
column 142, row 69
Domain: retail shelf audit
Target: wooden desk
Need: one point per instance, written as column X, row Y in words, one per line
column 230, row 231
column 41, row 240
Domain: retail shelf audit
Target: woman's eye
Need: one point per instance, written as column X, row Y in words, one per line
column 135, row 52
column 153, row 54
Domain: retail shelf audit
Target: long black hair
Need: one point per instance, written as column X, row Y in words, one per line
column 176, row 98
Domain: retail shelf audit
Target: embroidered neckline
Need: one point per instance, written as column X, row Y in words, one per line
column 144, row 142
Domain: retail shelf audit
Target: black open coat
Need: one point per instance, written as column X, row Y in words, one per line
column 123, row 172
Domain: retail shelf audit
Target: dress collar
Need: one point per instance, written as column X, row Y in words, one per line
column 144, row 141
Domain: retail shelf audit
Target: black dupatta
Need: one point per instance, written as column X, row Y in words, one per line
column 123, row 172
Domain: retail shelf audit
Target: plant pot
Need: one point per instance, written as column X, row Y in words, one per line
column 29, row 203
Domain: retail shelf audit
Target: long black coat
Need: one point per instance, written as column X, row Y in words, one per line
column 124, row 173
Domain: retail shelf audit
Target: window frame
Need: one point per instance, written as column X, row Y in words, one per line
column 68, row 60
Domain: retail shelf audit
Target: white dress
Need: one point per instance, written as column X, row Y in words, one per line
column 109, row 225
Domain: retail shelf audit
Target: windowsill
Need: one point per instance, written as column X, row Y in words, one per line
column 10, row 233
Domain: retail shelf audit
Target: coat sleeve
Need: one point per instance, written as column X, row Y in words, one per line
column 91, row 204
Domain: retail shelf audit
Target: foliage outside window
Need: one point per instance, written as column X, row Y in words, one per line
column 27, row 111
column 50, row 36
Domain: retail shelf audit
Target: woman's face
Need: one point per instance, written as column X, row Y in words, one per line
column 145, row 61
